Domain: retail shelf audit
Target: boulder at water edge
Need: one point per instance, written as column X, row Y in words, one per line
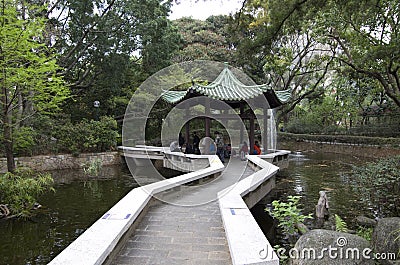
column 384, row 239
column 365, row 221
column 326, row 247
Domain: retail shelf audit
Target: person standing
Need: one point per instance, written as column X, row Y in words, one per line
column 257, row 148
column 219, row 141
column 196, row 142
column 181, row 140
column 244, row 151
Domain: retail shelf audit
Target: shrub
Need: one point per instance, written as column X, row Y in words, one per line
column 378, row 185
column 88, row 136
column 93, row 167
column 19, row 190
column 104, row 133
column 45, row 126
column 302, row 126
column 24, row 140
column 340, row 224
column 288, row 214
column 347, row 139
column 365, row 232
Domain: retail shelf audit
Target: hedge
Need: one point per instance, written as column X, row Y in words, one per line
column 341, row 139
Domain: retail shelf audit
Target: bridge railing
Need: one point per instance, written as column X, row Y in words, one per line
column 185, row 162
column 100, row 240
column 142, row 152
column 247, row 242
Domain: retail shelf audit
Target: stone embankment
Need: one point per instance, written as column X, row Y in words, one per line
column 371, row 151
column 62, row 161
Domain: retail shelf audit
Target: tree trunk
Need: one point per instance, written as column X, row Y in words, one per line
column 8, row 143
column 7, row 130
column 19, row 113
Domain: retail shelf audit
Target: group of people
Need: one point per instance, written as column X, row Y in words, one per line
column 244, row 150
column 218, row 146
column 182, row 146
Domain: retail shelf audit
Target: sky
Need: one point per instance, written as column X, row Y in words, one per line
column 204, row 8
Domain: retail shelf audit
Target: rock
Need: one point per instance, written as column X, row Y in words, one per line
column 302, row 228
column 383, row 238
column 4, row 211
column 327, row 247
column 322, row 208
column 365, row 221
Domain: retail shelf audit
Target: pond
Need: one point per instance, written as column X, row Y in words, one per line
column 77, row 203
column 308, row 174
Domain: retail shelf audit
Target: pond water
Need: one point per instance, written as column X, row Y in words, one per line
column 308, row 174
column 77, row 203
column 80, row 201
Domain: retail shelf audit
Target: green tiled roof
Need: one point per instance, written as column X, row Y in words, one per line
column 227, row 87
column 173, row 96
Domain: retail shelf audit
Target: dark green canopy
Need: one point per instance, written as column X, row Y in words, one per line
column 228, row 87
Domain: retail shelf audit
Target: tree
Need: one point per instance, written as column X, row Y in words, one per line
column 300, row 63
column 287, row 55
column 203, row 40
column 19, row 191
column 28, row 71
column 359, row 40
column 89, row 34
column 368, row 36
column 102, row 42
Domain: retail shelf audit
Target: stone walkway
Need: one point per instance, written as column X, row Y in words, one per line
column 172, row 234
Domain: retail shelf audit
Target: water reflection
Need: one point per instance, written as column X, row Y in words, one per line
column 78, row 202
column 310, row 173
column 297, row 158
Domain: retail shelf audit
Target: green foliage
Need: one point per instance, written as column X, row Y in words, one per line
column 378, row 185
column 344, row 49
column 93, row 167
column 365, row 232
column 45, row 127
column 323, row 115
column 28, row 68
column 24, row 140
column 30, row 80
column 49, row 134
column 96, row 41
column 88, row 136
column 203, row 40
column 340, row 224
column 288, row 214
column 20, row 190
column 348, row 139
column 283, row 258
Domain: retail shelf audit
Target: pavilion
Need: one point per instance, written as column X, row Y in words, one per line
column 229, row 89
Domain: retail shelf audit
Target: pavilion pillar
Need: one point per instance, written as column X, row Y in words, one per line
column 187, row 126
column 265, row 131
column 187, row 132
column 242, row 134
column 242, row 126
column 208, row 130
column 207, row 118
column 251, row 136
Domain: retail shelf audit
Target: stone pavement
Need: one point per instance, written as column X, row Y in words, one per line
column 173, row 234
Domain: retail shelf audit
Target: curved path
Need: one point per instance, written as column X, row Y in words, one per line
column 173, row 234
